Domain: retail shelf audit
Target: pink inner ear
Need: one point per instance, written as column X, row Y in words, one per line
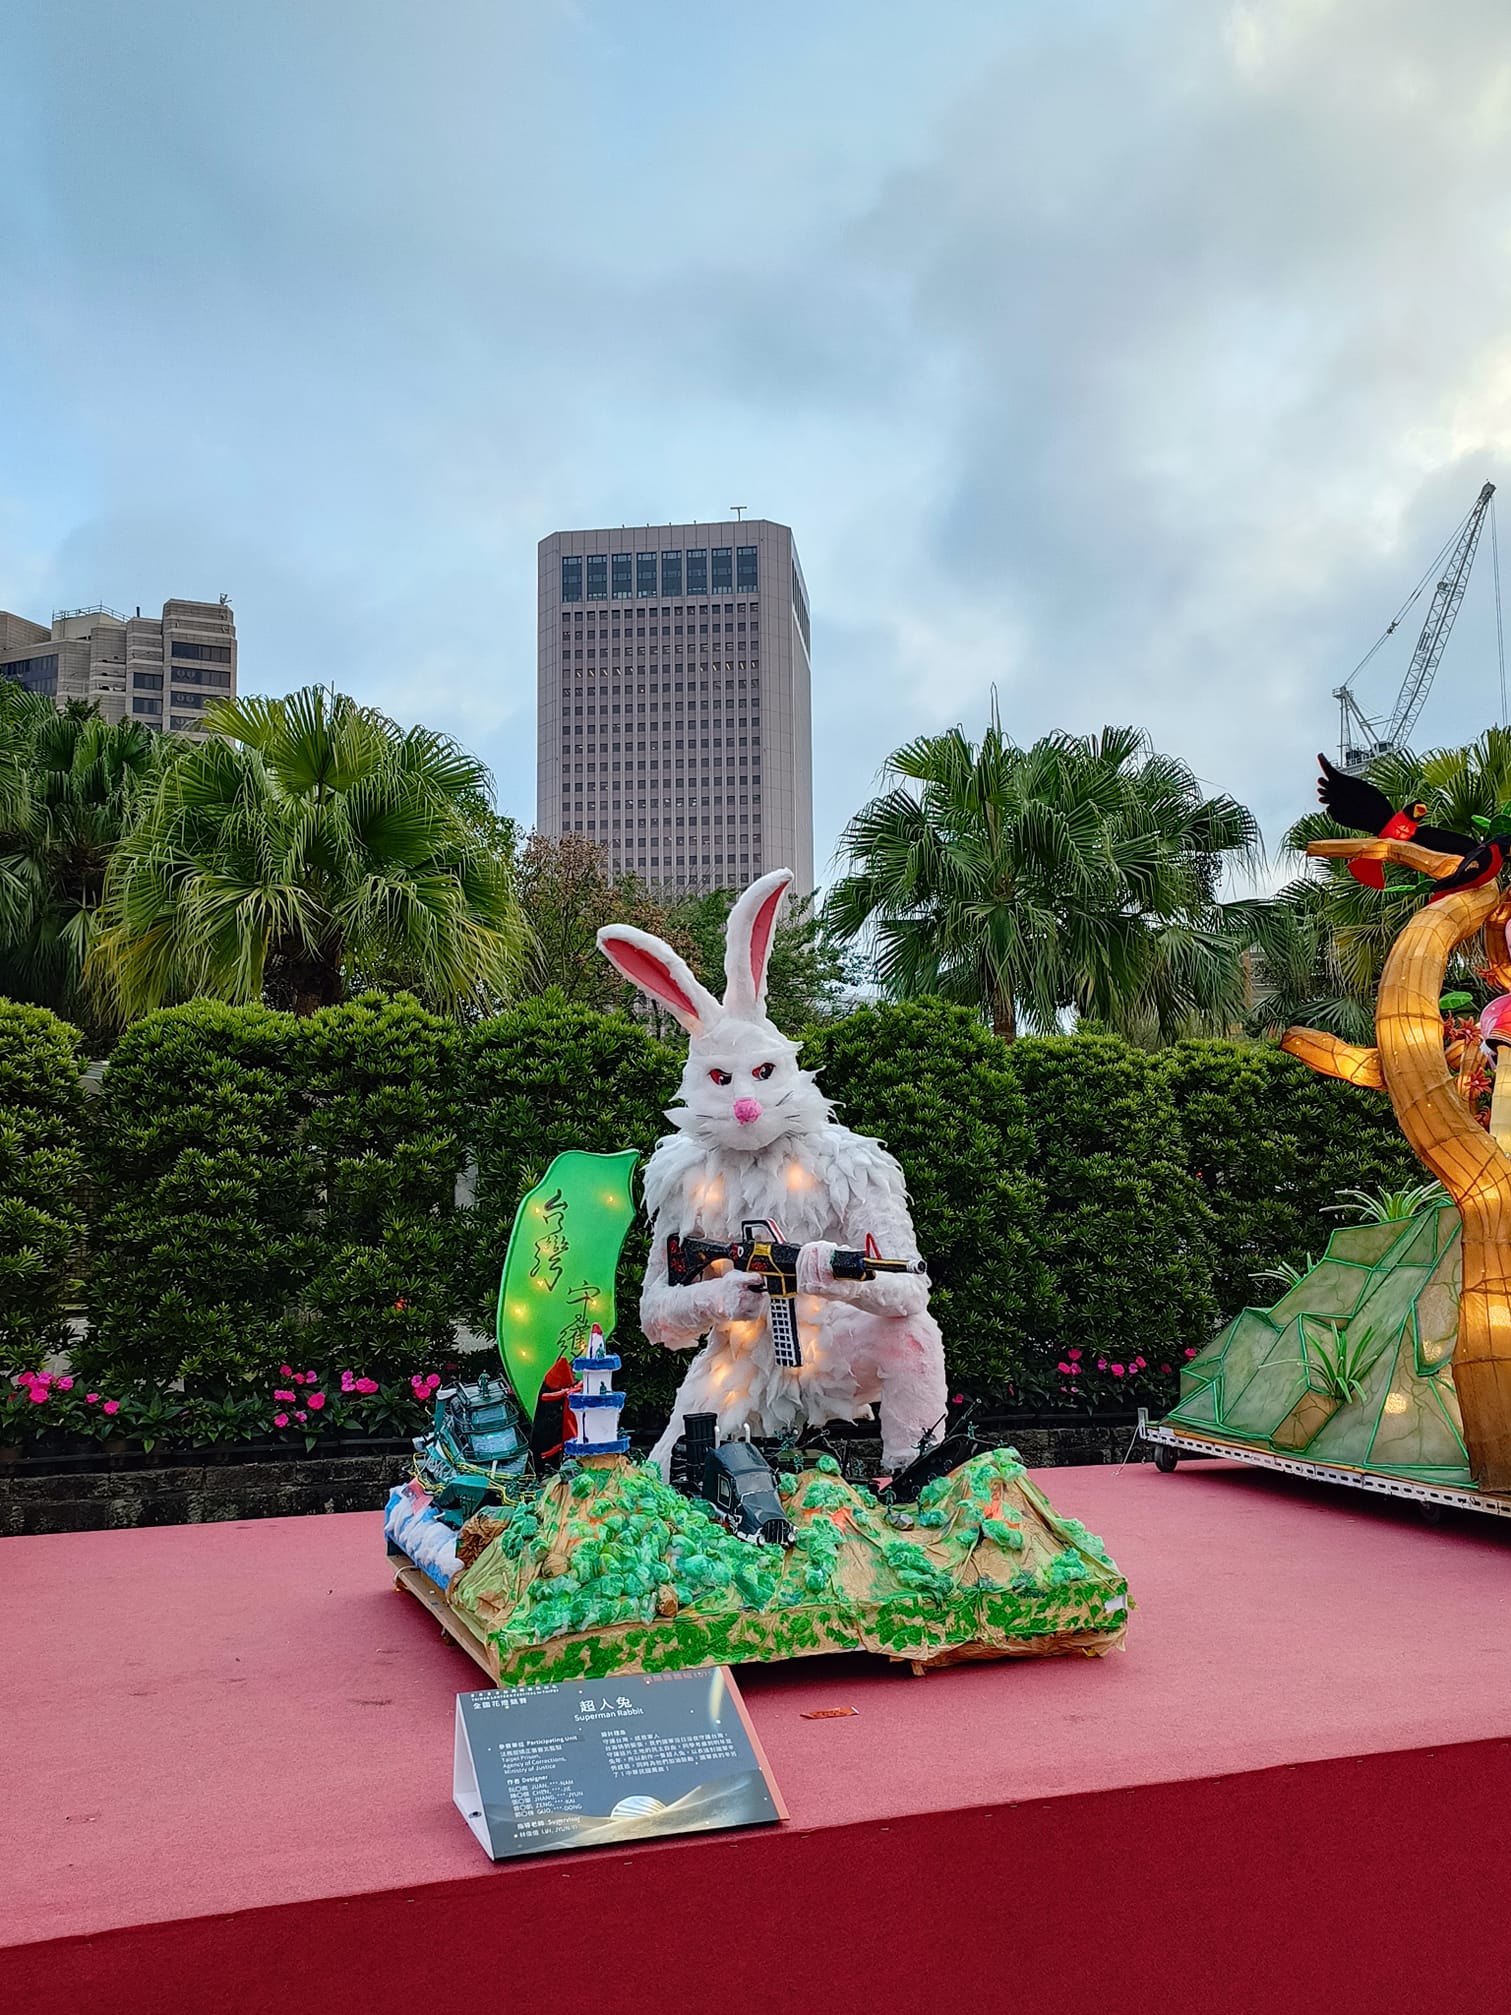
column 650, row 973
column 760, row 936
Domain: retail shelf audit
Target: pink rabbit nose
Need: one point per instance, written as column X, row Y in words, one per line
column 747, row 1109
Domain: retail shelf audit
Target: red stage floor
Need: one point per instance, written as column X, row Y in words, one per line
column 227, row 1788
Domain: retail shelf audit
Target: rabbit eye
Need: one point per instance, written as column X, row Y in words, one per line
column 763, row 1071
column 721, row 1077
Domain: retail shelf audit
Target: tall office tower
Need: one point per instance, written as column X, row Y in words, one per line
column 674, row 721
column 162, row 671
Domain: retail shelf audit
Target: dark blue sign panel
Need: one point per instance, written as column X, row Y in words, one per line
column 541, row 1768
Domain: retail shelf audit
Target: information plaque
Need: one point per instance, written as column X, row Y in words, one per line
column 540, row 1768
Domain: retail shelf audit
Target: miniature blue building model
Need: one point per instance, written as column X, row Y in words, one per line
column 596, row 1406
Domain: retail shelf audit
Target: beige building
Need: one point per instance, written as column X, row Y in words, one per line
column 674, row 716
column 162, row 671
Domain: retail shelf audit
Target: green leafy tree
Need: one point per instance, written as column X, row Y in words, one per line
column 68, row 785
column 41, row 1182
column 307, row 838
column 1077, row 875
column 926, row 1078
column 567, row 893
column 1321, row 942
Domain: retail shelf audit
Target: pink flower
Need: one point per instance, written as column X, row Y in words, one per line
column 286, row 1370
column 38, row 1395
column 1164, row 1371
column 433, row 1381
column 1116, row 1370
column 65, row 1385
column 348, row 1383
column 366, row 1385
column 91, row 1397
column 317, row 1400
column 1101, row 1364
column 309, row 1378
column 111, row 1406
column 1139, row 1363
column 280, row 1394
column 1189, row 1355
column 301, row 1416
column 1064, row 1371
column 280, row 1420
column 1072, row 1353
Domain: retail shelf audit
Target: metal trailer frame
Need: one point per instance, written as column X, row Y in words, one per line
column 1432, row 1499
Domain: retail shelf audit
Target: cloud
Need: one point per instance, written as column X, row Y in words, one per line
column 1134, row 360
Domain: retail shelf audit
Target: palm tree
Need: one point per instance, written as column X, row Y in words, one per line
column 1080, row 874
column 68, row 783
column 1322, row 940
column 307, row 838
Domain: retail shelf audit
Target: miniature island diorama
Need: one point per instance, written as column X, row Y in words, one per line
column 1388, row 1362
column 783, row 1254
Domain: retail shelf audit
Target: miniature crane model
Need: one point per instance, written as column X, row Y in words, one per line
column 1361, row 740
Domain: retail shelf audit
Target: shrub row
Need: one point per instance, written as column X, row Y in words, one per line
column 339, row 1191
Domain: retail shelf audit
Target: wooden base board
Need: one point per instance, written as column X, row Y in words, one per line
column 425, row 1592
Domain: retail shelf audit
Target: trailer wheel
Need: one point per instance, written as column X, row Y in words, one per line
column 1430, row 1514
column 1165, row 1458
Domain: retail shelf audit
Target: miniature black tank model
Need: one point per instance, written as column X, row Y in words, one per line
column 736, row 1480
column 960, row 1440
column 477, row 1438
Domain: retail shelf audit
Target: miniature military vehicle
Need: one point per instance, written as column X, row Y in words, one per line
column 735, row 1480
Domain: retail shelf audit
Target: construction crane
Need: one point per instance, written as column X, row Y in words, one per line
column 1361, row 740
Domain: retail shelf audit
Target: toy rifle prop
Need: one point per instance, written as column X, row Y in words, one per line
column 760, row 1249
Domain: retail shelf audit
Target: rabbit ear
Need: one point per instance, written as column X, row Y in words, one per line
column 650, row 964
column 747, row 942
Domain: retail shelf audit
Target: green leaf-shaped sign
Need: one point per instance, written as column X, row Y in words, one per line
column 559, row 1270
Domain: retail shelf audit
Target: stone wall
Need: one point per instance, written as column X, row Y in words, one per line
column 201, row 1494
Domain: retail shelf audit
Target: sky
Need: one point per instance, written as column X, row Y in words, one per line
column 1131, row 359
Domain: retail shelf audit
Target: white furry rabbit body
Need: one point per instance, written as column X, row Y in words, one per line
column 756, row 1138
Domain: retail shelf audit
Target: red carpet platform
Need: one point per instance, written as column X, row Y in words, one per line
column 227, row 1788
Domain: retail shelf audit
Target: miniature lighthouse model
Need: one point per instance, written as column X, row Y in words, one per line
column 596, row 1406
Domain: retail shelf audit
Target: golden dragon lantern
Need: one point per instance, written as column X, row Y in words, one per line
column 1410, row 1061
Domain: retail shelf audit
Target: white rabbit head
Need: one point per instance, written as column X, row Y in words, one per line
column 742, row 1088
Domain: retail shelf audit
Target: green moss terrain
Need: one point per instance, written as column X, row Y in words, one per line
column 609, row 1570
column 1353, row 1366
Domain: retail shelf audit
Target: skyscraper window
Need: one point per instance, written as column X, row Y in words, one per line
column 745, row 569
column 645, row 576
column 697, row 572
column 671, row 573
column 723, row 557
column 624, row 585
column 571, row 578
column 598, row 577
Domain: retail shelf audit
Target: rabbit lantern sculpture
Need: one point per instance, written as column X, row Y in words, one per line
column 755, row 1139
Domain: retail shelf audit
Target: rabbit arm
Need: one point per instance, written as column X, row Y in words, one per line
column 903, row 1294
column 680, row 1317
column 880, row 1210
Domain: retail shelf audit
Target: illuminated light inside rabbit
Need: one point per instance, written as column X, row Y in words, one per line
column 756, row 1138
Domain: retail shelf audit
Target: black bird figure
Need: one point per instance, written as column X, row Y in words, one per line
column 1475, row 869
column 1350, row 801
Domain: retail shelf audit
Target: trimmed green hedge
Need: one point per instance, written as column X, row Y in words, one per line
column 41, row 1181
column 263, row 1191
column 380, row 1078
column 205, row 1196
column 546, row 1076
column 1126, row 1234
column 930, row 1081
column 1271, row 1144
